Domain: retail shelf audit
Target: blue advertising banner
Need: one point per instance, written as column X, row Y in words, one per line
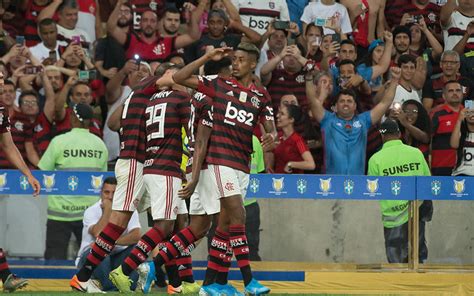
column 269, row 186
column 445, row 188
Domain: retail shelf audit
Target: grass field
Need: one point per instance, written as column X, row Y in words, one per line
column 116, row 293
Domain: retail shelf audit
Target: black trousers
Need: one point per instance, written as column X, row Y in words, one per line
column 58, row 234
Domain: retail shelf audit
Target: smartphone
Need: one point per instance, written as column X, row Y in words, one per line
column 281, row 25
column 84, row 75
column 469, row 104
column 76, row 39
column 320, row 22
column 32, row 70
column 20, row 40
column 317, row 41
column 52, row 56
column 336, row 37
column 92, row 74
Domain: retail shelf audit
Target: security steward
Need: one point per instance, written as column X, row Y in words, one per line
column 76, row 150
column 398, row 159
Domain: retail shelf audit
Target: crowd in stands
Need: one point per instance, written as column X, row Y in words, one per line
column 56, row 53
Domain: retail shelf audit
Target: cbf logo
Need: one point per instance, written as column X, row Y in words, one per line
column 435, row 187
column 372, row 188
column 24, row 185
column 301, row 186
column 48, row 182
column 349, row 187
column 72, row 183
column 325, row 186
column 278, row 185
column 254, row 185
column 96, row 183
column 395, row 187
column 459, row 188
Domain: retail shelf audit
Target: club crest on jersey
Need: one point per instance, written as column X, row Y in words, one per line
column 271, row 5
column 24, row 185
column 3, row 180
column 278, row 184
column 255, row 102
column 49, row 181
column 72, row 183
column 159, row 49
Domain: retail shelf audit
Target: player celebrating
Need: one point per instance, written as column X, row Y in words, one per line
column 10, row 281
column 237, row 106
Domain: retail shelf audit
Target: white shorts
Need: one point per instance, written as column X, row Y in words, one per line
column 130, row 187
column 229, row 181
column 163, row 197
column 205, row 199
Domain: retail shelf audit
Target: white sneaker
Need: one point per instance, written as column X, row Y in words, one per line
column 94, row 286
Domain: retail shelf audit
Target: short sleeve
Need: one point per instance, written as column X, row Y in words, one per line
column 206, row 114
column 91, row 217
column 365, row 117
column 346, row 27
column 301, row 145
column 284, row 12
column 365, row 72
column 207, row 84
column 307, row 16
column 372, row 168
column 267, row 108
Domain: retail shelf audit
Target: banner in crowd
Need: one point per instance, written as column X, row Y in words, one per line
column 269, row 186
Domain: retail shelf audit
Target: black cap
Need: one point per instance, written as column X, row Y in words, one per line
column 401, row 30
column 83, row 112
column 389, row 127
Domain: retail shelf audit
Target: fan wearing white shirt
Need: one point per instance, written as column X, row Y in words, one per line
column 48, row 32
column 405, row 89
column 329, row 15
column 96, row 218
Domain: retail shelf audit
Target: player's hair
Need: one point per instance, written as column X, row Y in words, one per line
column 161, row 70
column 295, row 112
column 215, row 67
column 27, row 93
column 46, row 22
column 249, row 48
column 110, row 180
column 68, row 4
column 172, row 9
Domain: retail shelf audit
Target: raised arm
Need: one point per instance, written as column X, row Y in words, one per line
column 114, row 87
column 315, row 103
column 379, row 110
column 435, row 45
column 382, row 67
column 112, row 27
column 420, row 73
column 61, row 97
column 49, row 104
column 456, row 134
column 268, row 67
column 193, row 32
column 48, row 11
column 381, row 20
column 185, row 75
column 251, row 35
column 232, row 11
column 446, row 11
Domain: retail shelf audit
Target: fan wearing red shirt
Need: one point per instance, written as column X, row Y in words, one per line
column 292, row 155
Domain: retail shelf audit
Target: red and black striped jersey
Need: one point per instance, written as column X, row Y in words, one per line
column 201, row 112
column 394, row 11
column 21, row 131
column 31, row 29
column 443, row 157
column 283, row 82
column 132, row 125
column 236, row 112
column 430, row 14
column 434, row 89
column 42, row 133
column 167, row 112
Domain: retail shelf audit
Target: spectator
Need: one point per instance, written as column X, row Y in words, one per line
column 75, row 150
column 33, row 9
column 288, row 79
column 393, row 12
column 330, row 15
column 171, row 22
column 463, row 45
column 345, row 126
column 418, row 10
column 377, row 61
column 5, row 40
column 109, row 54
column 405, row 89
column 116, row 95
column 368, row 21
column 277, row 40
column 349, row 79
column 433, row 89
column 313, row 37
column 292, row 155
column 95, row 219
column 258, row 14
column 18, row 56
column 455, row 18
column 387, row 162
column 49, row 46
column 414, row 124
column 296, row 8
column 219, row 36
column 68, row 12
column 88, row 18
column 80, row 92
column 443, row 119
column 75, row 58
column 148, row 44
column 462, row 139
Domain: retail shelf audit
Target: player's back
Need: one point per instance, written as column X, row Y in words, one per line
column 132, row 127
column 166, row 113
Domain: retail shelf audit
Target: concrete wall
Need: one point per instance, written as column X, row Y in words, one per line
column 291, row 230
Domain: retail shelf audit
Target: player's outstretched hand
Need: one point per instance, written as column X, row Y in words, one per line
column 268, row 142
column 35, row 185
column 188, row 190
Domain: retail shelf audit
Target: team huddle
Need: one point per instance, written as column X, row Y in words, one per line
column 219, row 121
